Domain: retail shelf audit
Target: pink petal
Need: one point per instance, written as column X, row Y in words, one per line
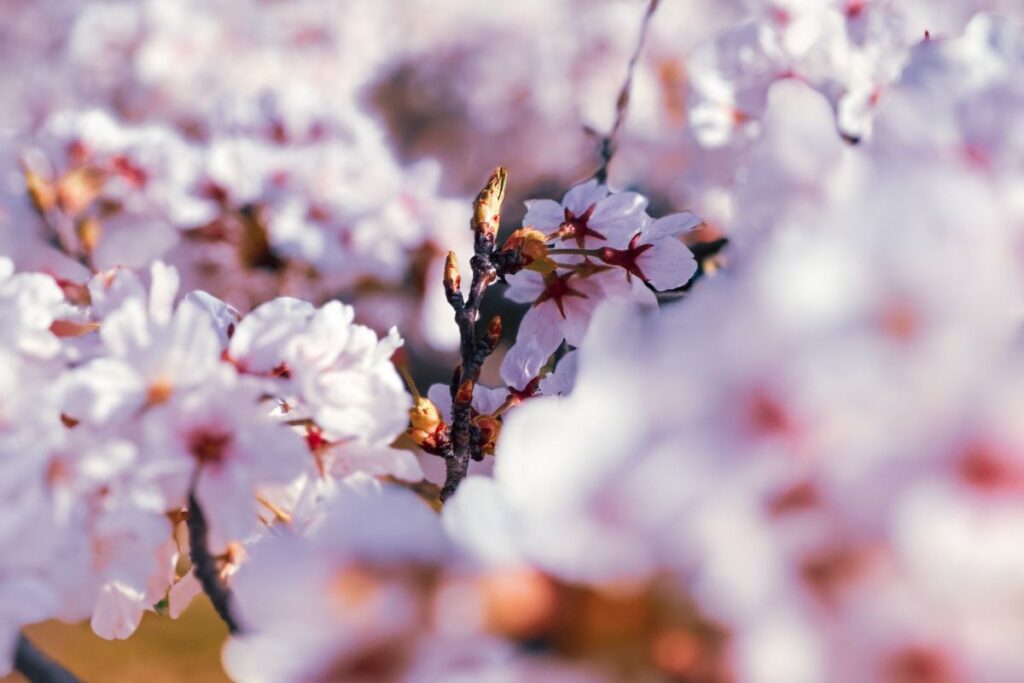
column 583, row 196
column 671, row 226
column 544, row 214
column 668, row 264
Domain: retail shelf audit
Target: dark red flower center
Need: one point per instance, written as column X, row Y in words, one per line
column 627, row 258
column 578, row 227
column 556, row 288
column 209, row 446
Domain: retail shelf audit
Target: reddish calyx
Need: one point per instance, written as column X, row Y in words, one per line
column 578, row 227
column 626, row 258
column 556, row 288
column 209, row 446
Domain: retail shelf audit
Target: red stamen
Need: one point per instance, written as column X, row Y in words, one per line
column 556, row 288
column 578, row 228
column 626, row 258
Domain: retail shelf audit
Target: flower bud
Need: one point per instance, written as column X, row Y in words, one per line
column 424, row 415
column 79, row 188
column 494, row 331
column 531, row 245
column 489, row 428
column 452, row 279
column 487, row 207
column 40, row 191
column 89, row 232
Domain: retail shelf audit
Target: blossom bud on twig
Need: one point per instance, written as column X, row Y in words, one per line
column 531, row 246
column 487, row 206
column 89, row 232
column 494, row 331
column 452, row 279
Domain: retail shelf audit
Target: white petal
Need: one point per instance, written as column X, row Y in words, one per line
column 583, row 196
column 543, row 326
column 522, row 363
column 261, row 336
column 525, row 286
column 671, row 226
column 118, row 611
column 544, row 214
column 668, row 264
column 181, row 594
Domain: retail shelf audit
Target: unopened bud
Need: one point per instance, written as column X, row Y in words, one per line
column 531, row 245
column 89, row 232
column 424, row 414
column 40, row 191
column 494, row 331
column 489, row 428
column 79, row 188
column 487, row 207
column 452, row 279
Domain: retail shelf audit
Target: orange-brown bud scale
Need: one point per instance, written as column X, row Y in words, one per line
column 531, row 245
column 424, row 414
column 494, row 329
column 465, row 392
column 77, row 190
column 40, row 191
column 452, row 279
column 487, row 207
column 489, row 428
column 89, row 233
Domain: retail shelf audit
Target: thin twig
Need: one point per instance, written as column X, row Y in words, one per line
column 463, row 444
column 37, row 667
column 607, row 144
column 204, row 565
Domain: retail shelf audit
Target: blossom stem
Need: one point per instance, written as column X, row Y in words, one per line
column 204, row 565
column 596, row 253
column 37, row 667
column 607, row 148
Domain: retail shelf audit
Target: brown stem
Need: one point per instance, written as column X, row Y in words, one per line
column 575, row 252
column 607, row 150
column 204, row 565
column 474, row 349
column 34, row 665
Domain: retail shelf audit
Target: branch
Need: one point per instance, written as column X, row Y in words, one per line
column 204, row 565
column 622, row 101
column 37, row 667
column 463, row 444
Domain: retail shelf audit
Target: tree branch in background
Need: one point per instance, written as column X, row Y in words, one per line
column 607, row 143
column 204, row 565
column 34, row 665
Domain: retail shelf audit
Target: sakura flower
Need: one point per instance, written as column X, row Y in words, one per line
column 562, row 305
column 588, row 214
column 29, row 303
column 655, row 254
column 151, row 356
column 221, row 440
column 344, row 375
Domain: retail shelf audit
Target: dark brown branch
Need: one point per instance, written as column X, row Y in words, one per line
column 34, row 665
column 607, row 144
column 463, row 444
column 204, row 565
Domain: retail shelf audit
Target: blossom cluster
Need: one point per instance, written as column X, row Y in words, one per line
column 120, row 406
